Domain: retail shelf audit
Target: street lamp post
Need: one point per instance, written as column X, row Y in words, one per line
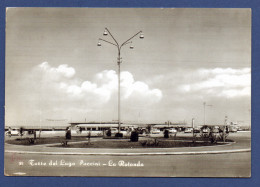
column 119, row 60
column 204, row 104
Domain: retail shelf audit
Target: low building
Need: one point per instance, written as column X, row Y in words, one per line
column 100, row 126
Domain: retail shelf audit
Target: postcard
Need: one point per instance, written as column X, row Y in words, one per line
column 128, row 92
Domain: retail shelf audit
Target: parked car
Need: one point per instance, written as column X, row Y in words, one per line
column 114, row 130
column 196, row 130
column 233, row 129
column 205, row 130
column 172, row 130
column 155, row 131
column 188, row 130
column 13, row 132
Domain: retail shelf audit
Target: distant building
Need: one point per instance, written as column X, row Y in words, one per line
column 170, row 125
column 100, row 126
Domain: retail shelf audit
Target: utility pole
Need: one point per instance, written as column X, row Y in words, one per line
column 224, row 130
column 193, row 123
column 205, row 104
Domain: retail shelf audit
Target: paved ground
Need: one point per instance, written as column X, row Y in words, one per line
column 180, row 162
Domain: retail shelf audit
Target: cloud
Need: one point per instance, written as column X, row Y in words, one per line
column 59, row 92
column 100, row 89
column 133, row 88
column 221, row 82
column 56, row 73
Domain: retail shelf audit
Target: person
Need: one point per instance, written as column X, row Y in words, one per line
column 88, row 137
column 34, row 134
column 9, row 133
column 227, row 130
column 68, row 133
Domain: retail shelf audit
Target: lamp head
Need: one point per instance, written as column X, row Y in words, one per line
column 105, row 32
column 142, row 35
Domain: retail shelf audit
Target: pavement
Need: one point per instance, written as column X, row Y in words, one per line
column 242, row 144
column 230, row 160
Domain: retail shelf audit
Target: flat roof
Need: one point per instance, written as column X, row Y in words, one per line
column 103, row 125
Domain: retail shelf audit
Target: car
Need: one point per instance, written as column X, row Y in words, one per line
column 172, row 130
column 155, row 131
column 13, row 132
column 196, row 130
column 233, row 129
column 215, row 129
column 205, row 130
column 114, row 130
column 188, row 130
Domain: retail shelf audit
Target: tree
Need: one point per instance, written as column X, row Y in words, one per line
column 223, row 133
column 149, row 128
column 21, row 131
column 134, row 136
column 108, row 132
column 166, row 133
column 205, row 131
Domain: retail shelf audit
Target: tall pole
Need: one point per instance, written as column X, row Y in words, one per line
column 204, row 112
column 204, row 104
column 224, row 130
column 119, row 62
column 192, row 122
column 119, row 109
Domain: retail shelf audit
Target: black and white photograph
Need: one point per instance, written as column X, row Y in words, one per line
column 128, row 92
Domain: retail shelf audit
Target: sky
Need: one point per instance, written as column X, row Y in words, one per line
column 56, row 72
